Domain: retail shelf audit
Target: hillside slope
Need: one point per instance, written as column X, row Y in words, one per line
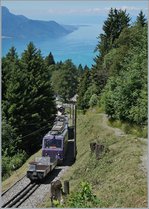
column 117, row 178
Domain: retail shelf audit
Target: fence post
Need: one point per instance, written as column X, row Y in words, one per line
column 99, row 148
column 66, row 187
column 93, row 146
column 97, row 151
column 75, row 124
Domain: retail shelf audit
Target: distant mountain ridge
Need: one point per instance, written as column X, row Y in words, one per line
column 19, row 26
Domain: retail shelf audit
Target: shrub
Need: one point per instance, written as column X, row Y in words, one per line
column 93, row 100
column 10, row 164
column 84, row 198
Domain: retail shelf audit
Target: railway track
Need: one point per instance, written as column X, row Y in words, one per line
column 21, row 196
column 12, row 185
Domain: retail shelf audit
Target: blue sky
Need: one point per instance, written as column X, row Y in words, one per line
column 73, row 12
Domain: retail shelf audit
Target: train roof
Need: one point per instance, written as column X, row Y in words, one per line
column 58, row 128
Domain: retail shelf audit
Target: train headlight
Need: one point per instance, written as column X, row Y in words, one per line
column 58, row 156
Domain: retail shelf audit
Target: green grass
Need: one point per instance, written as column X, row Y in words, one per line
column 139, row 131
column 116, row 178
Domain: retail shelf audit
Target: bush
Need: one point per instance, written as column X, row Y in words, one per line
column 93, row 100
column 18, row 160
column 84, row 198
column 6, row 170
column 10, row 164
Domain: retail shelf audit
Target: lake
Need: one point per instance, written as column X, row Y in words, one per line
column 78, row 45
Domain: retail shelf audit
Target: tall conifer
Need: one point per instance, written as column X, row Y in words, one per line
column 31, row 99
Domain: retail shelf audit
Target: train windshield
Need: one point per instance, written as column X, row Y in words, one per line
column 52, row 143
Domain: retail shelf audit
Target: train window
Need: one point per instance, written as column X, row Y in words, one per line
column 53, row 143
column 32, row 167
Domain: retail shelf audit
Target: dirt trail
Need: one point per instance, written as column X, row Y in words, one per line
column 118, row 132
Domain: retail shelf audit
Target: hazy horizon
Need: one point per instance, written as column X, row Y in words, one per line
column 73, row 12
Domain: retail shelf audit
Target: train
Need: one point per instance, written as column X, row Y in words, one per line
column 54, row 147
column 54, row 144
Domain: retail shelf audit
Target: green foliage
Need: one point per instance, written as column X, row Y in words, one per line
column 80, row 71
column 83, row 95
column 141, row 20
column 49, row 60
column 29, row 99
column 10, row 140
column 125, row 95
column 93, row 100
column 65, row 80
column 84, row 198
column 119, row 74
column 117, row 21
column 10, row 164
column 8, row 64
column 28, row 106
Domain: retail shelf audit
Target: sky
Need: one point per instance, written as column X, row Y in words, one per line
column 73, row 12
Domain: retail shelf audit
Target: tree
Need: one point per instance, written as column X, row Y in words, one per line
column 65, row 80
column 82, row 88
column 49, row 60
column 141, row 20
column 30, row 98
column 10, row 140
column 116, row 22
column 8, row 63
column 125, row 94
column 80, row 72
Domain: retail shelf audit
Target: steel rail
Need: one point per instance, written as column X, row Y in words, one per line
column 12, row 186
column 19, row 195
column 28, row 194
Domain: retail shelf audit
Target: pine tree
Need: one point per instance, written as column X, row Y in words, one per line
column 116, row 22
column 8, row 63
column 141, row 20
column 49, row 60
column 80, row 71
column 83, row 86
column 31, row 99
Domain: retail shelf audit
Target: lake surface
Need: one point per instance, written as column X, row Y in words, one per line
column 78, row 45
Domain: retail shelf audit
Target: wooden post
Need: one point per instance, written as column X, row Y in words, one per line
column 72, row 114
column 93, row 146
column 75, row 124
column 66, row 187
column 70, row 111
column 97, row 151
column 99, row 148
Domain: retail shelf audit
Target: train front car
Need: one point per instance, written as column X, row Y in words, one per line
column 55, row 141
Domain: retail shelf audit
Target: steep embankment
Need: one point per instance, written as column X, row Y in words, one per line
column 117, row 178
